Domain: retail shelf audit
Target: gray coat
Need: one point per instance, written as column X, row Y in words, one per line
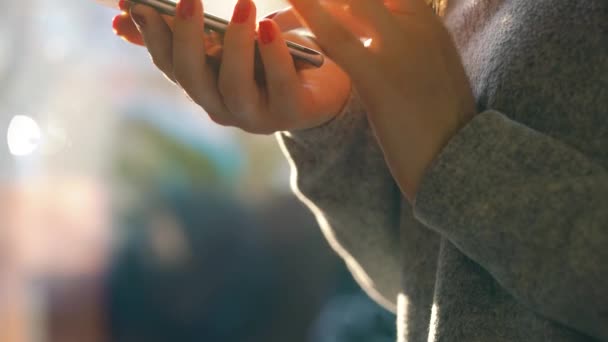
column 508, row 237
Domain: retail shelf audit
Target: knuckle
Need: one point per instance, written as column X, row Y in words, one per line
column 252, row 124
column 258, row 129
column 219, row 119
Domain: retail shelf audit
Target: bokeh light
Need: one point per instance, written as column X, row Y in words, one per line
column 23, row 136
column 113, row 184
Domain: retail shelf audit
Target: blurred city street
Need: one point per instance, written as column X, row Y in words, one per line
column 126, row 214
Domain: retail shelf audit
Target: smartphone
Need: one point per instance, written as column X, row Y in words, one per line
column 216, row 26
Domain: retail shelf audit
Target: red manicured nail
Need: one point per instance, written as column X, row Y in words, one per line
column 242, row 11
column 185, row 9
column 123, row 5
column 266, row 31
column 139, row 19
column 118, row 25
column 124, row 28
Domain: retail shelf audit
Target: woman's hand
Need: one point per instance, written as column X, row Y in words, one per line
column 289, row 99
column 410, row 77
column 124, row 27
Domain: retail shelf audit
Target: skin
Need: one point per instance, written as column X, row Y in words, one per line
column 410, row 79
column 289, row 99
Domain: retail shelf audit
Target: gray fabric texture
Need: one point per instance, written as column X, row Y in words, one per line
column 508, row 237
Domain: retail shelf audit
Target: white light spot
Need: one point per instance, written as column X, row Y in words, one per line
column 368, row 42
column 402, row 309
column 23, row 136
column 434, row 323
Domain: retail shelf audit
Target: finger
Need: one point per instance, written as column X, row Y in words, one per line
column 190, row 62
column 395, row 6
column 310, row 87
column 157, row 37
column 281, row 76
column 125, row 28
column 338, row 42
column 374, row 14
column 168, row 20
column 286, row 19
column 236, row 81
column 125, row 6
column 289, row 20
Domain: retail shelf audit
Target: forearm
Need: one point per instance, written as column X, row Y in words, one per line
column 339, row 172
column 529, row 209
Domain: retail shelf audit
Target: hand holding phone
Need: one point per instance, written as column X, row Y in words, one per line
column 216, row 27
column 289, row 98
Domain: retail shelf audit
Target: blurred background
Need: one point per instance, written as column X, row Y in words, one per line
column 127, row 215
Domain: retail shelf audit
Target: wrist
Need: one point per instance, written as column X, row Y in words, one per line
column 436, row 146
column 411, row 147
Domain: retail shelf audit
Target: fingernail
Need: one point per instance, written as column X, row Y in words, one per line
column 185, row 9
column 242, row 11
column 123, row 5
column 266, row 31
column 117, row 25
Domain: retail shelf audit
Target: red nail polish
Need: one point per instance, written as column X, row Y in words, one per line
column 123, row 5
column 118, row 25
column 242, row 11
column 266, row 31
column 139, row 19
column 185, row 9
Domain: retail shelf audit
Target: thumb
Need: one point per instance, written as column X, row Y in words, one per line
column 288, row 19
